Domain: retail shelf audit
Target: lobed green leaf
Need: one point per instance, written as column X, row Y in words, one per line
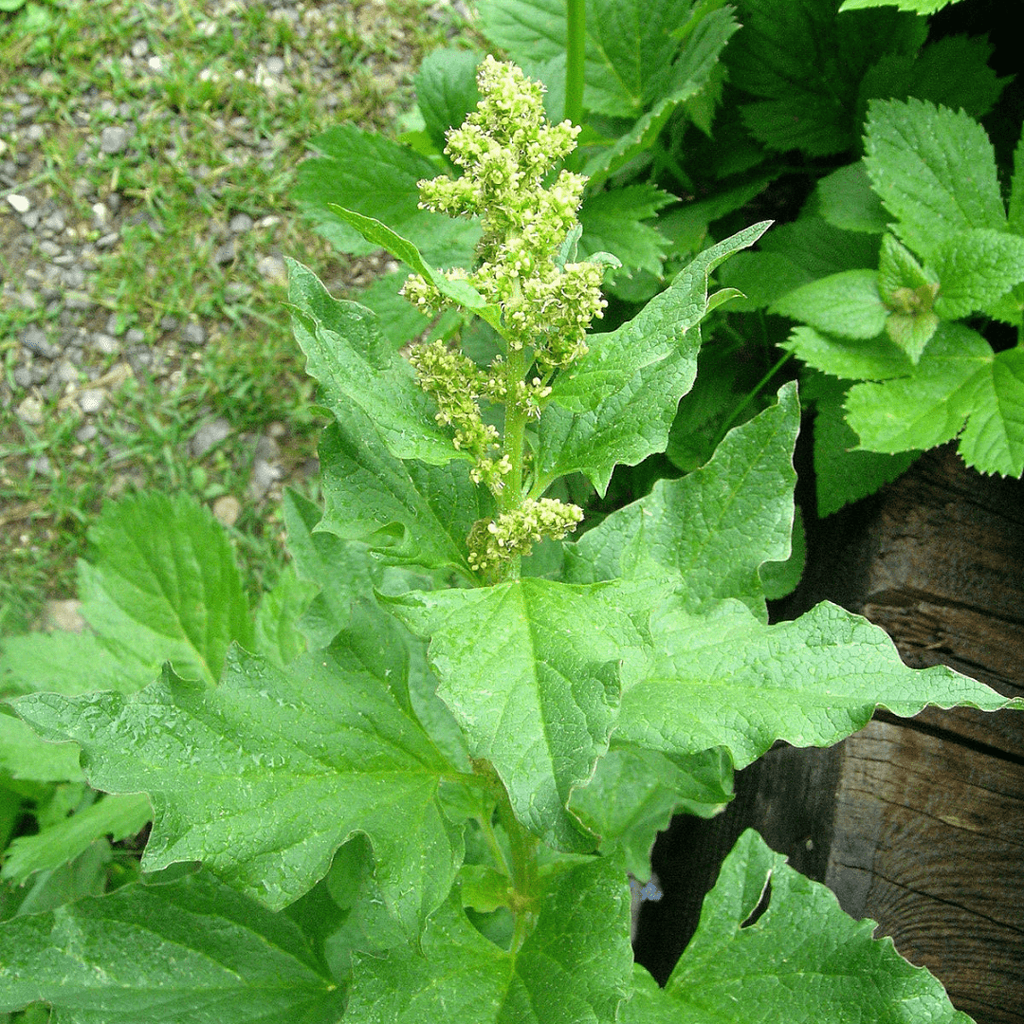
column 799, row 959
column 409, row 512
column 566, row 972
column 266, row 776
column 712, row 529
column 725, row 679
column 634, row 795
column 531, row 671
column 616, row 405
column 355, row 365
column 147, row 954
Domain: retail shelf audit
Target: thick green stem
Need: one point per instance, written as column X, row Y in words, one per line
column 523, row 848
column 574, row 56
column 512, row 448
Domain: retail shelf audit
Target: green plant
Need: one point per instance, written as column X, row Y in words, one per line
column 697, row 118
column 415, row 781
column 930, row 258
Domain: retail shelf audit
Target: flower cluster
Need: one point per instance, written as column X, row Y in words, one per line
column 506, row 148
column 493, row 541
column 457, row 384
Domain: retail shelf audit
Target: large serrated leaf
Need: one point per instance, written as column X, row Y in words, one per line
column 389, row 194
column 706, row 33
column 805, row 65
column 800, row 959
column 617, row 404
column 713, row 528
column 531, row 671
column 935, row 171
column 727, row 680
column 266, row 776
column 162, row 585
column 191, row 950
column 630, row 50
column 568, row 971
column 446, row 91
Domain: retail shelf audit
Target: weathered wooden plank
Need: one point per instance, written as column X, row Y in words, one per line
column 929, row 841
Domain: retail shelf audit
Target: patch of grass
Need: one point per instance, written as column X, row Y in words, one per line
column 220, row 100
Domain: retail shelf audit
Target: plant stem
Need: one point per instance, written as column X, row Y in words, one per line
column 574, row 50
column 512, row 447
column 750, row 396
column 523, row 847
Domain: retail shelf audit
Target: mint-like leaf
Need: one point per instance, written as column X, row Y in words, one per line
column 935, row 171
column 162, row 584
column 874, row 359
column 613, row 221
column 446, row 91
column 705, row 35
column 917, row 6
column 845, row 304
column 960, row 385
column 844, row 472
column 631, row 50
column 805, row 65
column 953, row 71
column 1015, row 213
column 975, row 269
column 847, row 201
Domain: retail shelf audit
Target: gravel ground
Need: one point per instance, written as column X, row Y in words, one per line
column 75, row 351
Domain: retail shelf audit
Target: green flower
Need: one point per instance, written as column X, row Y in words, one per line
column 507, row 150
column 493, row 541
